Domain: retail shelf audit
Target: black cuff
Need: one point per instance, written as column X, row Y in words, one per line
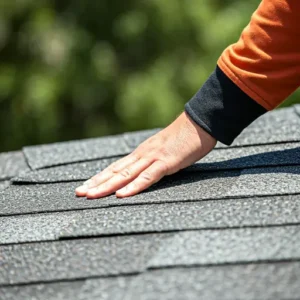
column 222, row 109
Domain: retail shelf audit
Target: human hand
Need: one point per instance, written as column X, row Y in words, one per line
column 176, row 147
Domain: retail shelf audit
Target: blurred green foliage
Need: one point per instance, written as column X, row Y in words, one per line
column 82, row 68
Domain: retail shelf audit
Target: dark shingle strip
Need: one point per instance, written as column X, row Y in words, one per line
column 28, row 263
column 229, row 246
column 61, row 196
column 75, row 151
column 222, row 159
column 246, row 282
column 184, row 216
column 11, row 164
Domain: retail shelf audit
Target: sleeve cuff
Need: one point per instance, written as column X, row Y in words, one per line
column 222, row 109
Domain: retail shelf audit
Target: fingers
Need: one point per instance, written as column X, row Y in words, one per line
column 106, row 174
column 147, row 178
column 119, row 180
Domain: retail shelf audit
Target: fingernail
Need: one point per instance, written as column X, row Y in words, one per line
column 123, row 190
column 82, row 189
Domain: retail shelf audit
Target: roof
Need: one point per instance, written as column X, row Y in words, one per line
column 227, row 227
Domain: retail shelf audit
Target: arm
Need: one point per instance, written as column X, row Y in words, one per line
column 253, row 76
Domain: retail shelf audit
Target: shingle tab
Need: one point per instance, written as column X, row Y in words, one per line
column 240, row 282
column 61, row 196
column 75, row 151
column 184, row 216
column 71, row 172
column 229, row 246
column 267, row 181
column 76, row 258
column 280, row 125
column 34, row 227
column 11, row 164
column 93, row 289
column 221, row 159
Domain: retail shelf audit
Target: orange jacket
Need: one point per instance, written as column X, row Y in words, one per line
column 254, row 75
column 265, row 62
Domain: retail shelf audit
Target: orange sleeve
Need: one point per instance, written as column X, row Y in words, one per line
column 265, row 62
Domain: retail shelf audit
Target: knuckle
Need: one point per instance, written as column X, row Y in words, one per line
column 134, row 156
column 163, row 166
column 126, row 173
column 146, row 176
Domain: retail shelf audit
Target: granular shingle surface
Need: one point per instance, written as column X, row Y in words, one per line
column 227, row 227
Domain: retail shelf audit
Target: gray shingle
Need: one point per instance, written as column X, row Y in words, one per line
column 184, row 216
column 240, row 282
column 280, row 125
column 267, row 181
column 94, row 289
column 75, row 151
column 4, row 184
column 72, row 172
column 61, row 196
column 229, row 246
column 221, row 159
column 76, row 258
column 35, row 227
column 11, row 164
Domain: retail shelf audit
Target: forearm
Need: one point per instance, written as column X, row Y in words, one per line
column 254, row 75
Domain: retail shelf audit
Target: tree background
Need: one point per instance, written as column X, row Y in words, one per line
column 75, row 69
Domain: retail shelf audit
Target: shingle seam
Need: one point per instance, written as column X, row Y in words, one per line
column 219, row 264
column 148, row 203
column 73, row 279
column 72, row 162
column 27, row 160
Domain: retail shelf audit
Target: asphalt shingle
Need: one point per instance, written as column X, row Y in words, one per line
column 61, row 196
column 235, row 215
column 229, row 246
column 184, row 216
column 34, row 227
column 11, row 164
column 93, row 289
column 235, row 282
column 36, row 262
column 267, row 181
column 65, row 173
column 4, row 184
column 75, row 151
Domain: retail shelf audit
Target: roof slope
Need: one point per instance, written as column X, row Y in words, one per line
column 227, row 227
